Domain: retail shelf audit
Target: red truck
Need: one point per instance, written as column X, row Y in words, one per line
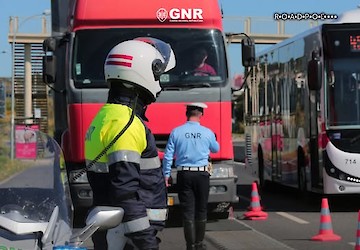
column 84, row 31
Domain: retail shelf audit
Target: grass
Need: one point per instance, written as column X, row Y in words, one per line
column 8, row 167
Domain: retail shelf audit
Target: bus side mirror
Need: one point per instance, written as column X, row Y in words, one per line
column 49, row 60
column 248, row 52
column 315, row 74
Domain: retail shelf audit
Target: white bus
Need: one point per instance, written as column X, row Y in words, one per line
column 302, row 109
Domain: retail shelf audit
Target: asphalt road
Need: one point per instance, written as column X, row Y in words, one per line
column 294, row 220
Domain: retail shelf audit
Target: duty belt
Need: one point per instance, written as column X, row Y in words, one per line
column 189, row 168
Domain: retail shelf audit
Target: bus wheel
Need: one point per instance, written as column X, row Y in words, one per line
column 301, row 175
column 262, row 181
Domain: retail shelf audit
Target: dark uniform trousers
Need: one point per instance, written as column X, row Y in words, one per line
column 193, row 191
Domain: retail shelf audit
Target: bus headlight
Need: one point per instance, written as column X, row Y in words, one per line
column 78, row 176
column 222, row 172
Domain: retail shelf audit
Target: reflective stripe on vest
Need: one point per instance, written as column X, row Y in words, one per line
column 157, row 214
column 145, row 163
column 137, row 225
column 124, row 155
column 150, row 163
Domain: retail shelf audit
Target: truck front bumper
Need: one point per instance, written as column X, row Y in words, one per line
column 81, row 195
column 222, row 190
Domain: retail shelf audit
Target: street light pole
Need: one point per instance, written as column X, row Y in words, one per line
column 15, row 27
column 12, row 136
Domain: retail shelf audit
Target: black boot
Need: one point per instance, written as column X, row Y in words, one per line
column 189, row 232
column 200, row 234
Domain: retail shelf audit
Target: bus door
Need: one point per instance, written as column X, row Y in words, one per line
column 314, row 134
column 315, row 84
column 276, row 134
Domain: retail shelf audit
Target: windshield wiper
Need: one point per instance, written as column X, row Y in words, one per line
column 187, row 85
column 195, row 85
column 355, row 139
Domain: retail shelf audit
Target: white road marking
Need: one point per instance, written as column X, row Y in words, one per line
column 292, row 217
column 263, row 235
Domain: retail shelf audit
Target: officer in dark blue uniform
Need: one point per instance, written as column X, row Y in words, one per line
column 190, row 144
column 125, row 169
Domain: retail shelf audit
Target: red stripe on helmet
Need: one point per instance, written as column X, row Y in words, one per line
column 125, row 64
column 128, row 57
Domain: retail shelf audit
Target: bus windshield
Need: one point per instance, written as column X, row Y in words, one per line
column 343, row 77
column 92, row 46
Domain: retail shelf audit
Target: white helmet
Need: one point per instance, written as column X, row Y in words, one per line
column 140, row 62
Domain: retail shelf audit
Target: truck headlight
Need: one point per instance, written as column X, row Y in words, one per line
column 222, row 172
column 78, row 176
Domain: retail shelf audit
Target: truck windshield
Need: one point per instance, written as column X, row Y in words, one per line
column 92, row 46
column 343, row 77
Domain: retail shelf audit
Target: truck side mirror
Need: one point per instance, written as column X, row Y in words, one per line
column 49, row 44
column 49, row 68
column 49, row 60
column 315, row 73
column 248, row 52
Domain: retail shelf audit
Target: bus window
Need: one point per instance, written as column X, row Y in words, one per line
column 343, row 95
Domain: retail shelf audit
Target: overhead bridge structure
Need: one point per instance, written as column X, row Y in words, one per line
column 30, row 93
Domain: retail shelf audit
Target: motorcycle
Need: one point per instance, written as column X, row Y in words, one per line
column 36, row 211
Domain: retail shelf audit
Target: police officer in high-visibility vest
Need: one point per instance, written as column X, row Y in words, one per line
column 127, row 171
column 190, row 144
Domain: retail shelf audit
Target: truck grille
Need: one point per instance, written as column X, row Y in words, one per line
column 161, row 141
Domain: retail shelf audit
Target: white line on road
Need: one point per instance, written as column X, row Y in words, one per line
column 292, row 217
column 263, row 235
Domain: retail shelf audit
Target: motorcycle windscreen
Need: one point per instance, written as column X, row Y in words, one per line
column 35, row 203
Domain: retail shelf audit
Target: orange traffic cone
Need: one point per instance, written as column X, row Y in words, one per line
column 357, row 243
column 326, row 232
column 255, row 211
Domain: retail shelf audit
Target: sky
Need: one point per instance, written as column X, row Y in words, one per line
column 234, row 12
